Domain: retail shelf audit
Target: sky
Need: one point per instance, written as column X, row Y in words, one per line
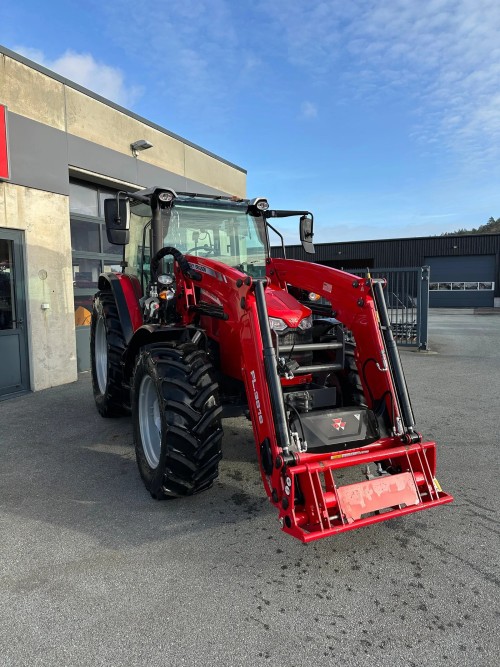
column 382, row 117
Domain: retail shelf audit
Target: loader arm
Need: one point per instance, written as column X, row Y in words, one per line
column 304, row 485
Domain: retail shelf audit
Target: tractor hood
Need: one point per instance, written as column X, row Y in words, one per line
column 284, row 306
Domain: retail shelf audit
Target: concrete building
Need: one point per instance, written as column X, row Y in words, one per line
column 63, row 149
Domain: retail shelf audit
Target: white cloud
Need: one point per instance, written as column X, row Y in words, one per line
column 199, row 50
column 442, row 55
column 83, row 69
column 308, row 110
column 439, row 57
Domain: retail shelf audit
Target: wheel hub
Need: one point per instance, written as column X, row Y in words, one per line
column 150, row 421
column 101, row 355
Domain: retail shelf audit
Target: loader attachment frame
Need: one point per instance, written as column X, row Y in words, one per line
column 306, row 486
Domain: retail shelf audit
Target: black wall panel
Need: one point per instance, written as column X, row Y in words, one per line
column 411, row 252
column 450, row 276
column 468, row 268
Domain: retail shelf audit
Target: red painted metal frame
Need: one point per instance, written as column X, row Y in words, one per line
column 306, row 492
column 307, row 514
column 324, row 513
column 4, row 153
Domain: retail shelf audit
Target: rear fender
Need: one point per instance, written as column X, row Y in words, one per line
column 127, row 292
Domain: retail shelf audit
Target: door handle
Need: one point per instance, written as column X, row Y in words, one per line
column 18, row 322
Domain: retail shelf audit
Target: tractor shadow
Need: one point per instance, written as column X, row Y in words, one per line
column 64, row 465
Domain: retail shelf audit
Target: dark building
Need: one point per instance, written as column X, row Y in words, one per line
column 464, row 270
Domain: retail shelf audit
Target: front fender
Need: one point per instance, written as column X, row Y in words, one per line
column 126, row 291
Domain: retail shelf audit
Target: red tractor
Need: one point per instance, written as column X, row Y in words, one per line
column 202, row 323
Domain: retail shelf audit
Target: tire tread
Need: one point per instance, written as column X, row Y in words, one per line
column 191, row 442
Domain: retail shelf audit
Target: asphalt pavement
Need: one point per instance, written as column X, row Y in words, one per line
column 95, row 572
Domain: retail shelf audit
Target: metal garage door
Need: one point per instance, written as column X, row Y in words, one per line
column 461, row 282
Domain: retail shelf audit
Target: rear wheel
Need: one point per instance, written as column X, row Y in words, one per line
column 176, row 420
column 107, row 345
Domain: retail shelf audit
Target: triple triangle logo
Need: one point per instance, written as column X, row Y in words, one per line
column 338, row 424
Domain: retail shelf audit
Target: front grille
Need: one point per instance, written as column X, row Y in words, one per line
column 296, row 337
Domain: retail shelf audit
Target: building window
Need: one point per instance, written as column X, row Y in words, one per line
column 83, row 199
column 91, row 251
column 85, row 236
column 445, row 287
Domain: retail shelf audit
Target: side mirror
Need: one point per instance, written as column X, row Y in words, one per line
column 306, row 234
column 117, row 216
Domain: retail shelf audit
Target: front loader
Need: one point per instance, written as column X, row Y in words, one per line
column 202, row 323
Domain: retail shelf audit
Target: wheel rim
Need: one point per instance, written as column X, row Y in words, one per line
column 150, row 421
column 101, row 355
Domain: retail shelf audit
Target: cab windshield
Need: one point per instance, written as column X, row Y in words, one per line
column 218, row 229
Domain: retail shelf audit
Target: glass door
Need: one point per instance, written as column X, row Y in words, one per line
column 13, row 343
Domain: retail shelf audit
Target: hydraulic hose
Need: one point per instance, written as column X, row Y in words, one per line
column 180, row 259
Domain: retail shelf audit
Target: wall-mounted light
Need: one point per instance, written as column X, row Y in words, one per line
column 140, row 145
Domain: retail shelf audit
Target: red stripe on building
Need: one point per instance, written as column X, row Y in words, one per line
column 4, row 157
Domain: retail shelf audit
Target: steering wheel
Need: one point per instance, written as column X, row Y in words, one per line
column 208, row 250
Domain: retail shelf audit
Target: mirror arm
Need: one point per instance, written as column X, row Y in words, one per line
column 121, row 194
column 141, row 198
column 284, row 214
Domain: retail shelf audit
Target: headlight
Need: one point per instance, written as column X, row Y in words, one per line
column 277, row 324
column 312, row 296
column 166, row 196
column 306, row 323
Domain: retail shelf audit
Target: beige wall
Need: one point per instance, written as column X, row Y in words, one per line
column 39, row 97
column 32, row 94
column 44, row 218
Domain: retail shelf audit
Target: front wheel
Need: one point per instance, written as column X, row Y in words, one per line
column 353, row 389
column 176, row 420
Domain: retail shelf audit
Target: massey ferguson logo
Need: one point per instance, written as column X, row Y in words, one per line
column 338, row 424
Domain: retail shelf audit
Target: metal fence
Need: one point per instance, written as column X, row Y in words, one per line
column 407, row 298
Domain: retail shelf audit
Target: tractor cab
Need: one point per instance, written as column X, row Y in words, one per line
column 225, row 229
column 228, row 230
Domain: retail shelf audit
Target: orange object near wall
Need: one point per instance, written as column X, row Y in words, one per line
column 82, row 317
